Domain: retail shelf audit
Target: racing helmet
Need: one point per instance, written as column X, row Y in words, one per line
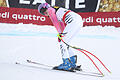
column 43, row 7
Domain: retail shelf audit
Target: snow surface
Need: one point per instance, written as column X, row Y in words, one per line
column 19, row 42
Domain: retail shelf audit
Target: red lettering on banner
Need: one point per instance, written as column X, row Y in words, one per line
column 27, row 16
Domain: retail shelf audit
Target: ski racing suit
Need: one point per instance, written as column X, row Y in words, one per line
column 68, row 24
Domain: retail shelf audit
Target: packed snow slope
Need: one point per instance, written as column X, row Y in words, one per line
column 19, row 42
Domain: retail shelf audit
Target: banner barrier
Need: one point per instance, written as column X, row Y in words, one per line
column 74, row 5
column 27, row 16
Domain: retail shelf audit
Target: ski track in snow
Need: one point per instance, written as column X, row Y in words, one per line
column 19, row 42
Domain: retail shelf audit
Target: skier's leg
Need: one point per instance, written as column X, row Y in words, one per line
column 71, row 53
column 71, row 31
column 64, row 50
column 66, row 65
column 69, row 59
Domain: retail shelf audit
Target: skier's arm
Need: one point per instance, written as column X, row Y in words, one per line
column 53, row 17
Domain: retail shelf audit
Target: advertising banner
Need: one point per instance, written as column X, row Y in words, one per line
column 26, row 16
column 80, row 5
column 93, row 12
column 74, row 5
column 19, row 15
column 101, row 18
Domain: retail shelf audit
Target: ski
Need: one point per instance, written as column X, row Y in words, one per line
column 78, row 70
column 37, row 65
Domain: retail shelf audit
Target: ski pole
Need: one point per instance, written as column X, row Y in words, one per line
column 93, row 56
column 92, row 61
column 98, row 60
column 88, row 57
column 83, row 51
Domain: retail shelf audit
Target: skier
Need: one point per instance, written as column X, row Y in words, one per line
column 67, row 23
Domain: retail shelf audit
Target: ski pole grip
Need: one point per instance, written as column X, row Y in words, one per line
column 59, row 37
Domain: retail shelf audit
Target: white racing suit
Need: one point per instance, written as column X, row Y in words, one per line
column 73, row 23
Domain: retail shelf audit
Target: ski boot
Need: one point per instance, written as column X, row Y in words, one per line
column 65, row 66
column 73, row 60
